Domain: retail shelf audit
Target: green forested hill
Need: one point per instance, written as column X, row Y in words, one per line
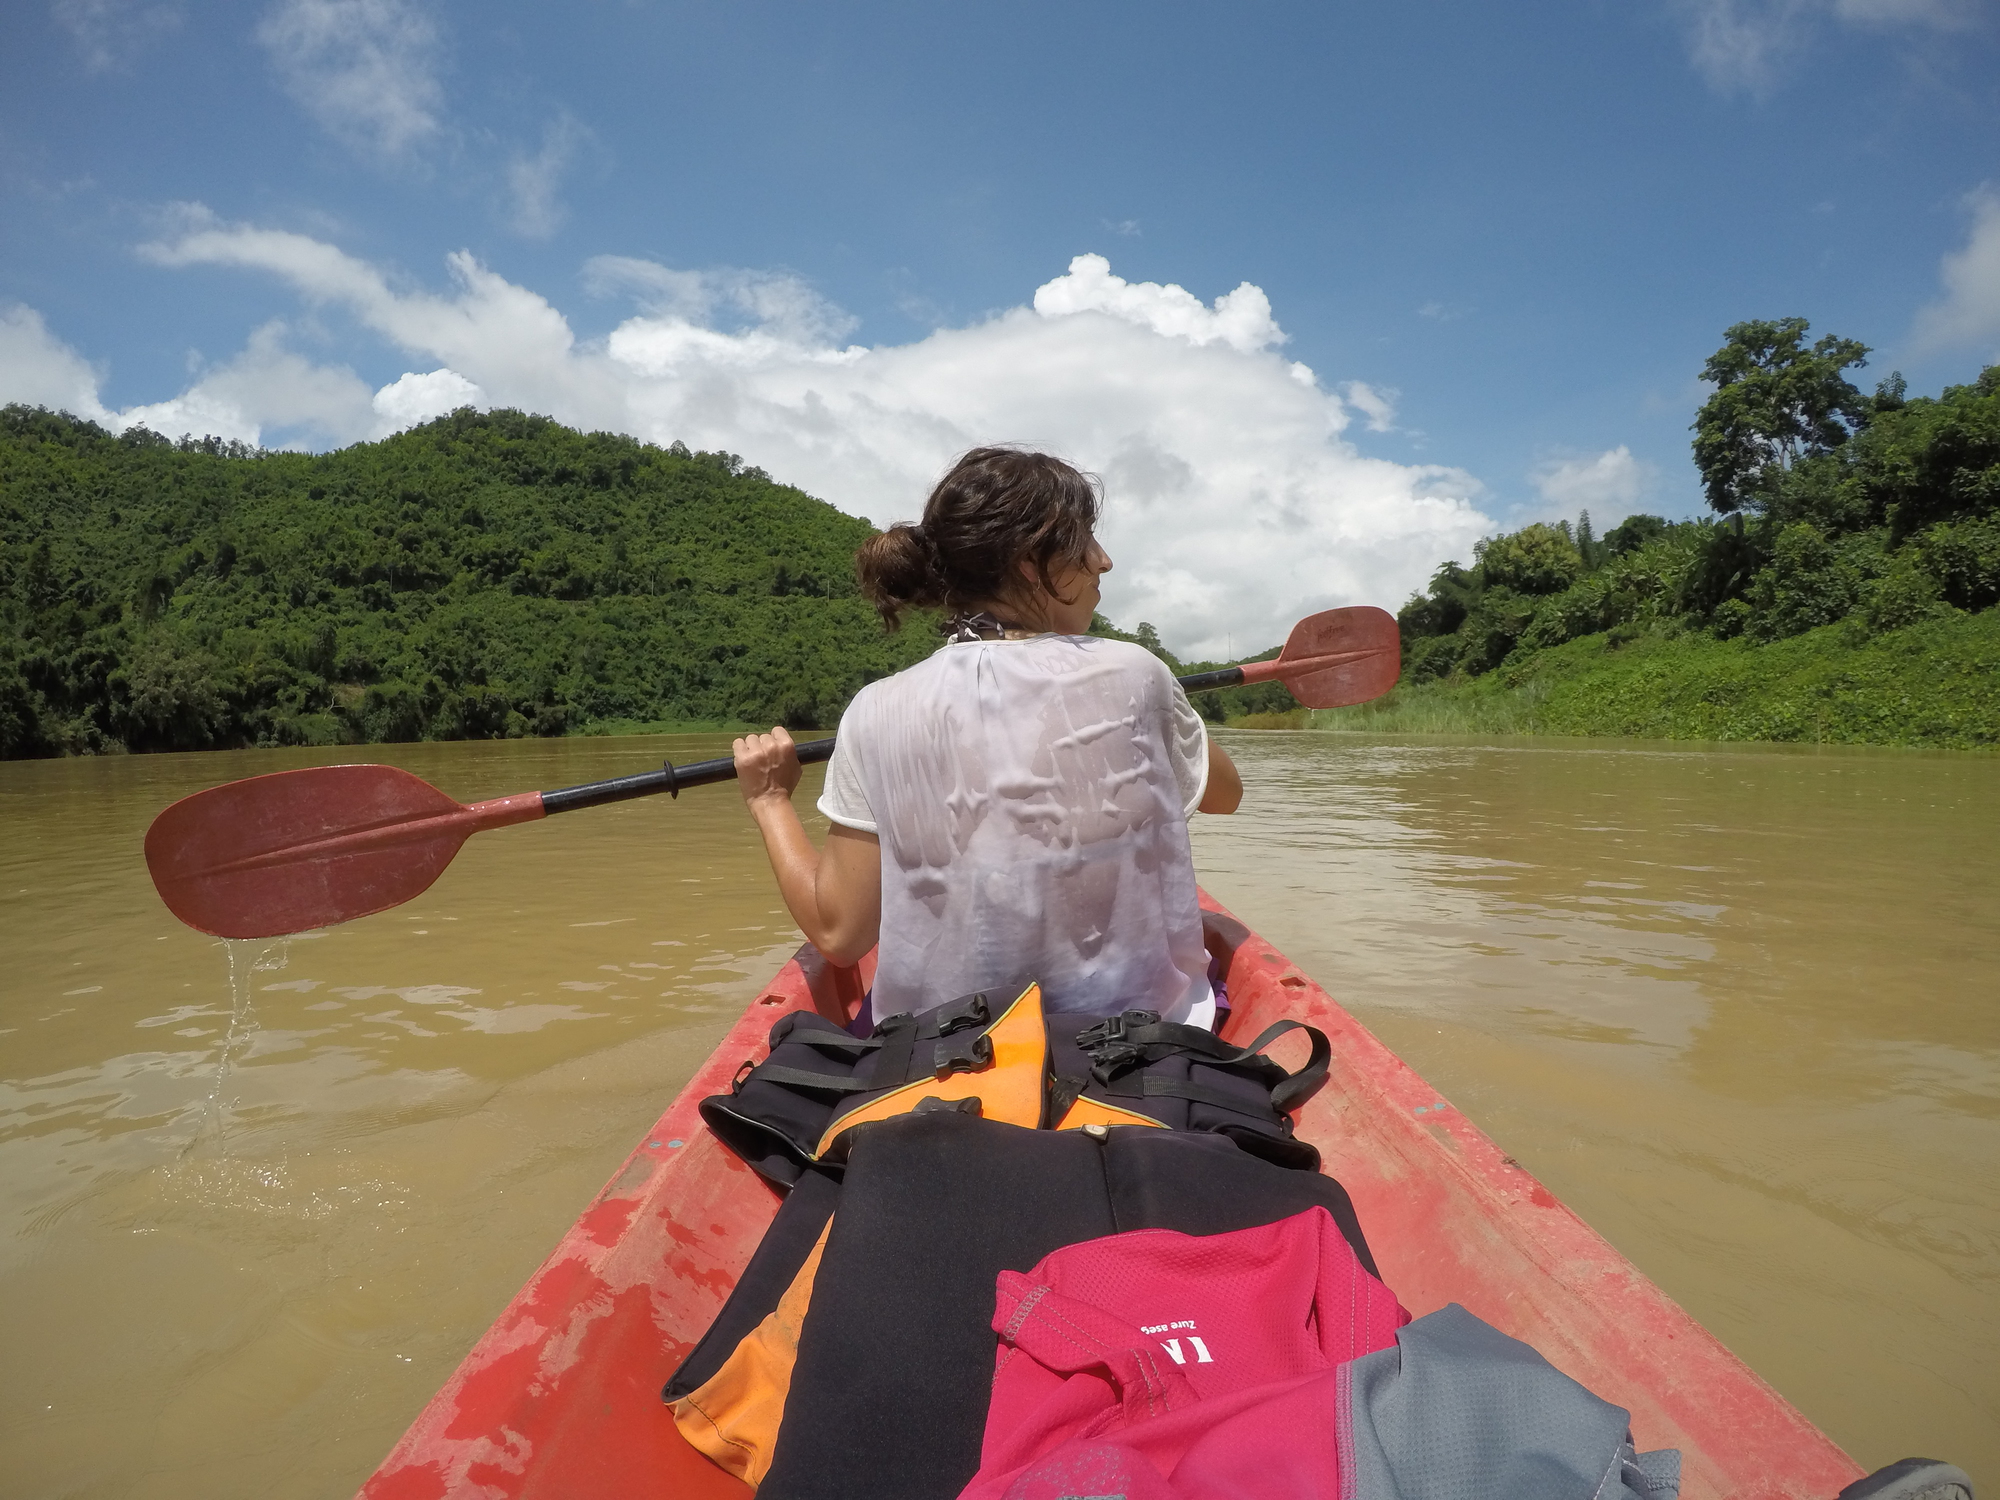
column 484, row 575
column 1847, row 590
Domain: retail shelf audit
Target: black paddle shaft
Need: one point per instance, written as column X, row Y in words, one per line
column 671, row 778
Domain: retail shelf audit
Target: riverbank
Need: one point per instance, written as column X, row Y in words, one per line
column 1935, row 683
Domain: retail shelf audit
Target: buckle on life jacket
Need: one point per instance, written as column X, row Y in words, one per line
column 971, row 1104
column 1106, row 1046
column 1003, row 1064
column 1113, row 1028
column 967, row 1010
column 960, row 1055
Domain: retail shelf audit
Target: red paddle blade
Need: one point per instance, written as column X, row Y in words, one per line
column 1337, row 657
column 303, row 849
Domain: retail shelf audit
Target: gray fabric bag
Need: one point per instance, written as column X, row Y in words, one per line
column 1459, row 1411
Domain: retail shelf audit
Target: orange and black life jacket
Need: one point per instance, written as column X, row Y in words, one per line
column 1009, row 1063
column 798, row 1106
column 1135, row 1069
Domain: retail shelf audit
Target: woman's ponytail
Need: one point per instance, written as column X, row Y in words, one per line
column 898, row 570
column 997, row 508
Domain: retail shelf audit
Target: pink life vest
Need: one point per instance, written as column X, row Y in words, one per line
column 1158, row 1364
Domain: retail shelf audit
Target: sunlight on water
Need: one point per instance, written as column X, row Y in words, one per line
column 1734, row 1006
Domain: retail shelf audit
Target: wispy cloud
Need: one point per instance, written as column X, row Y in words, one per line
column 1234, row 503
column 1127, row 227
column 109, row 34
column 1738, row 45
column 1742, row 46
column 535, row 207
column 775, row 304
column 1969, row 311
column 365, row 70
column 1378, row 407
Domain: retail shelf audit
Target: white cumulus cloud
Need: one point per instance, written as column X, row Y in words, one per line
column 1241, row 319
column 39, row 369
column 365, row 70
column 1969, row 311
column 1234, row 504
column 1610, row 483
column 266, row 386
column 416, row 399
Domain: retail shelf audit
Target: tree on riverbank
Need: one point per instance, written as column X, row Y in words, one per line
column 1875, row 513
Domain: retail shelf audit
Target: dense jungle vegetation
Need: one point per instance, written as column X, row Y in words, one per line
column 1845, row 589
column 485, row 575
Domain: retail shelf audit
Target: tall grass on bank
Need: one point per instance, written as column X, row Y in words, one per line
column 1933, row 683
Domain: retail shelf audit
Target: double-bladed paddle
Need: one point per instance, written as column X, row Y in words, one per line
column 303, row 849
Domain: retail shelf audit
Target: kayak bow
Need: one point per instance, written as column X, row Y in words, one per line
column 561, row 1397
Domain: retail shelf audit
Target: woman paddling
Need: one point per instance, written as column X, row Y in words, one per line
column 1015, row 806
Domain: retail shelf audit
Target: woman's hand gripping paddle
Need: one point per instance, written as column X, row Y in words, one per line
column 302, row 849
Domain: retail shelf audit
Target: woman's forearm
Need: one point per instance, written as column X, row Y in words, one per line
column 1224, row 793
column 795, row 862
column 833, row 894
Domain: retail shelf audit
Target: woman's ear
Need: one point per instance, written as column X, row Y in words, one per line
column 1029, row 598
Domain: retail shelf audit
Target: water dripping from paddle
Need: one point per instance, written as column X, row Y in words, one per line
column 247, row 958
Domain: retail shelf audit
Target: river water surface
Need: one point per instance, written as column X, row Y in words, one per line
column 1737, row 1007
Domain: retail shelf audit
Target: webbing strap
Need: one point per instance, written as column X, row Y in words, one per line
column 897, row 1036
column 1154, row 1086
column 1151, row 1040
column 799, row 1078
column 833, row 1041
column 1303, row 1084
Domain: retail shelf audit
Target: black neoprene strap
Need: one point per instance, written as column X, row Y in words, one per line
column 1303, row 1084
column 1157, row 1038
column 898, row 1038
column 799, row 1078
column 1151, row 1085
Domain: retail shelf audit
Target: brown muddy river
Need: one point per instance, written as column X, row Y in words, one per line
column 1739, row 1008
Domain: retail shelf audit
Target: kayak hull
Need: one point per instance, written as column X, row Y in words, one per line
column 561, row 1396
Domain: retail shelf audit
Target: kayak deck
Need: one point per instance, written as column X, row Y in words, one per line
column 561, row 1396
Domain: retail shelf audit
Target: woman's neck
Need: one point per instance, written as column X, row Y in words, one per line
column 992, row 620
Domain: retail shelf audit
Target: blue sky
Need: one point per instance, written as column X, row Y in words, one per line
column 1487, row 248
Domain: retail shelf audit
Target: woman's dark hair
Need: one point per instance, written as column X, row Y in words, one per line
column 996, row 508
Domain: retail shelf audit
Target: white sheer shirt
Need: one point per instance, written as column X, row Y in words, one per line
column 1032, row 800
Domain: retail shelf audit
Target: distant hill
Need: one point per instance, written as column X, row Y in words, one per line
column 484, row 575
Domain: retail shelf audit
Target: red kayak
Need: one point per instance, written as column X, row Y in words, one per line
column 561, row 1397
